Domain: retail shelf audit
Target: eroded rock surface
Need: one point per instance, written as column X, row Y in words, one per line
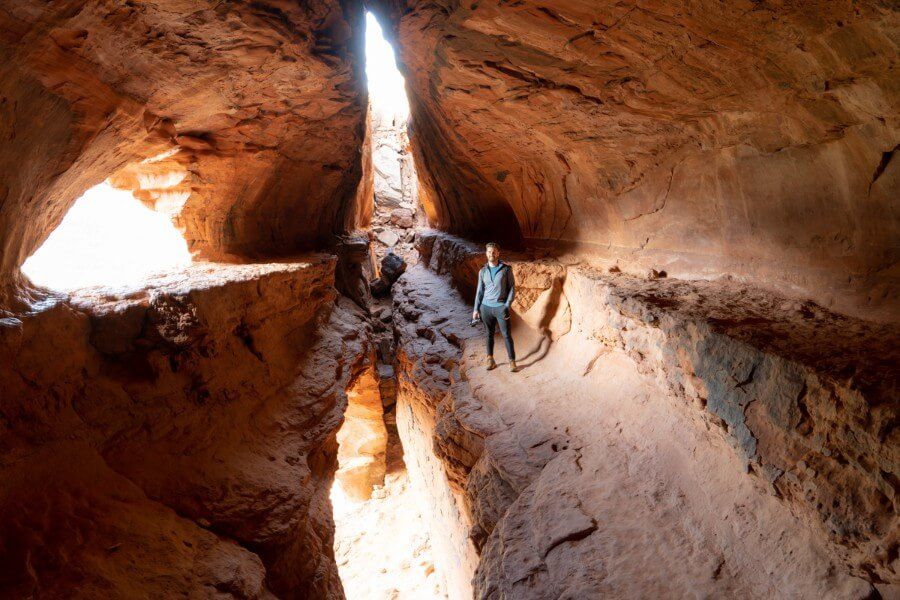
column 615, row 464
column 252, row 116
column 362, row 439
column 397, row 210
column 665, row 437
column 178, row 440
column 757, row 139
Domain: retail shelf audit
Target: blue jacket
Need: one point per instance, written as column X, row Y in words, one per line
column 499, row 289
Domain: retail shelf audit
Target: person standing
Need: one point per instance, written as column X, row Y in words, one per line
column 495, row 293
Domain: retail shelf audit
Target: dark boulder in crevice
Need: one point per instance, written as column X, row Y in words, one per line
column 392, row 267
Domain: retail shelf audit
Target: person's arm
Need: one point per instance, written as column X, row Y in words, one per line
column 512, row 288
column 479, row 294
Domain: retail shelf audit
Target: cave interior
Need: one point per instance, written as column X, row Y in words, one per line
column 239, row 247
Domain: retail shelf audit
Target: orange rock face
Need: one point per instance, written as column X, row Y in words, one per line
column 362, row 439
column 697, row 434
column 260, row 103
column 179, row 440
column 746, row 138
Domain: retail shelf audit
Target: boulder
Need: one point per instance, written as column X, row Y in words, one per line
column 387, row 237
column 392, row 267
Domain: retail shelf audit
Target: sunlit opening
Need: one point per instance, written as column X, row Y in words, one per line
column 387, row 90
column 397, row 211
column 107, row 238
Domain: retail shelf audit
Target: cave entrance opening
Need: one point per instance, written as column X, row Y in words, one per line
column 397, row 210
column 108, row 238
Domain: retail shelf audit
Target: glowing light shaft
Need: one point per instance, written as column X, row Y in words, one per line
column 387, row 88
column 107, row 238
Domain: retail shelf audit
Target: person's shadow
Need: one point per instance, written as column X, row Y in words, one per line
column 541, row 346
column 537, row 352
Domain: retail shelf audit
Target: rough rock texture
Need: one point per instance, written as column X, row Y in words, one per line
column 397, row 208
column 255, row 109
column 807, row 397
column 751, row 138
column 362, row 439
column 666, row 437
column 426, row 358
column 616, row 463
column 354, row 261
column 179, row 440
column 392, row 266
column 395, row 179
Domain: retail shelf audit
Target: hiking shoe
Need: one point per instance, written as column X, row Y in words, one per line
column 513, row 367
column 491, row 365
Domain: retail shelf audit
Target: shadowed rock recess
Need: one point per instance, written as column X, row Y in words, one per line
column 753, row 138
column 699, row 204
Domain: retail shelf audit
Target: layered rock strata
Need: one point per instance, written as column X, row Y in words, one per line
column 257, row 109
column 616, row 463
column 177, row 440
column 756, row 139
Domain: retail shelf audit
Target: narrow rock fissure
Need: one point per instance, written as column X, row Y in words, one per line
column 382, row 540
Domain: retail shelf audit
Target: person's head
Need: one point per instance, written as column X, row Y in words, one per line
column 492, row 251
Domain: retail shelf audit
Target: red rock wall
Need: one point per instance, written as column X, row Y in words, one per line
column 262, row 100
column 180, row 442
column 743, row 138
column 184, row 440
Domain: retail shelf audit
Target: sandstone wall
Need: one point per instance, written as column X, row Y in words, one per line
column 362, row 438
column 257, row 106
column 746, row 138
column 177, row 441
column 446, row 508
column 806, row 398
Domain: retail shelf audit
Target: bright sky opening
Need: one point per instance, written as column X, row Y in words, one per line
column 107, row 238
column 387, row 89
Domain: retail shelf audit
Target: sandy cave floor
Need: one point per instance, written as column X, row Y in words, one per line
column 382, row 546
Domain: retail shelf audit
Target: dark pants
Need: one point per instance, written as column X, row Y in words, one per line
column 492, row 316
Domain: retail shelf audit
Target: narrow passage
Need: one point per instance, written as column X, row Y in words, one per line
column 382, row 542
